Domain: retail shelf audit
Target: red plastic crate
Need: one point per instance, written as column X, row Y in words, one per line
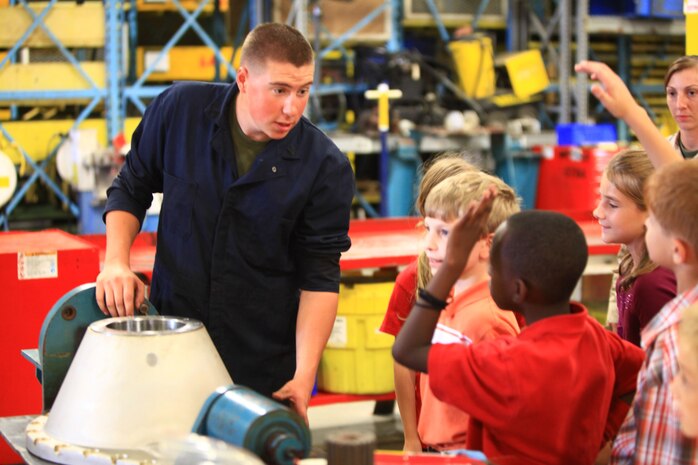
column 569, row 181
column 36, row 270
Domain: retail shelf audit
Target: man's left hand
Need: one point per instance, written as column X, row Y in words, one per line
column 298, row 394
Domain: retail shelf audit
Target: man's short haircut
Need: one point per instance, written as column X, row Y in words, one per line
column 672, row 197
column 276, row 42
column 547, row 250
column 448, row 199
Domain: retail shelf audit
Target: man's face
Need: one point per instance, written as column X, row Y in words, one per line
column 276, row 95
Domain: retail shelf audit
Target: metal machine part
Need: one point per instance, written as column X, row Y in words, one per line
column 185, row 450
column 133, row 381
column 351, row 448
column 197, row 449
column 126, row 391
column 241, row 417
column 61, row 333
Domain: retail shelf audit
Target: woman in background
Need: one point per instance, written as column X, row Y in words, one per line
column 681, row 83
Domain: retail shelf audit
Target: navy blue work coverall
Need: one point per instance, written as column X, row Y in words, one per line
column 234, row 252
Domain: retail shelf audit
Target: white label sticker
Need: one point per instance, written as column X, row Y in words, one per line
column 690, row 6
column 37, row 265
column 162, row 66
column 338, row 337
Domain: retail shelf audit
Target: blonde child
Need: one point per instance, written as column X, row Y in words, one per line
column 472, row 316
column 642, row 287
column 416, row 274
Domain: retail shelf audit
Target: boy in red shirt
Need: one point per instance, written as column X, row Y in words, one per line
column 556, row 393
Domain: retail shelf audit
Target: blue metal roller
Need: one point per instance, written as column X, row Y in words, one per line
column 244, row 418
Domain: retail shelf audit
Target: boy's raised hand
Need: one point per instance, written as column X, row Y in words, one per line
column 413, row 342
column 612, row 91
column 470, row 228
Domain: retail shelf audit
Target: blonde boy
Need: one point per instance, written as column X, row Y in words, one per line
column 651, row 433
column 471, row 316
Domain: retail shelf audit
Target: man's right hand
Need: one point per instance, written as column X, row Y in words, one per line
column 119, row 291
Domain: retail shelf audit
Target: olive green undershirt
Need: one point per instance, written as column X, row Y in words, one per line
column 684, row 151
column 246, row 149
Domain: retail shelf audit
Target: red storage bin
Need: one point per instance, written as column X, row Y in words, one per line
column 36, row 270
column 569, row 181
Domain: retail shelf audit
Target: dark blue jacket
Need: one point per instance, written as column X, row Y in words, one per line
column 235, row 252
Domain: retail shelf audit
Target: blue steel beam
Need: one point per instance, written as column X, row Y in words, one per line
column 115, row 109
column 16, row 95
column 68, row 56
column 253, row 13
column 395, row 42
column 38, row 20
column 353, row 30
column 480, row 10
column 94, row 95
column 439, row 23
column 38, row 172
column 204, row 36
column 171, row 43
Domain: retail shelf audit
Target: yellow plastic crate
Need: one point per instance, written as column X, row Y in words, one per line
column 357, row 359
column 527, row 73
column 473, row 59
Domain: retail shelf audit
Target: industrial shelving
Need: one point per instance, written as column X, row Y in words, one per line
column 641, row 51
column 553, row 26
column 94, row 84
column 100, row 85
